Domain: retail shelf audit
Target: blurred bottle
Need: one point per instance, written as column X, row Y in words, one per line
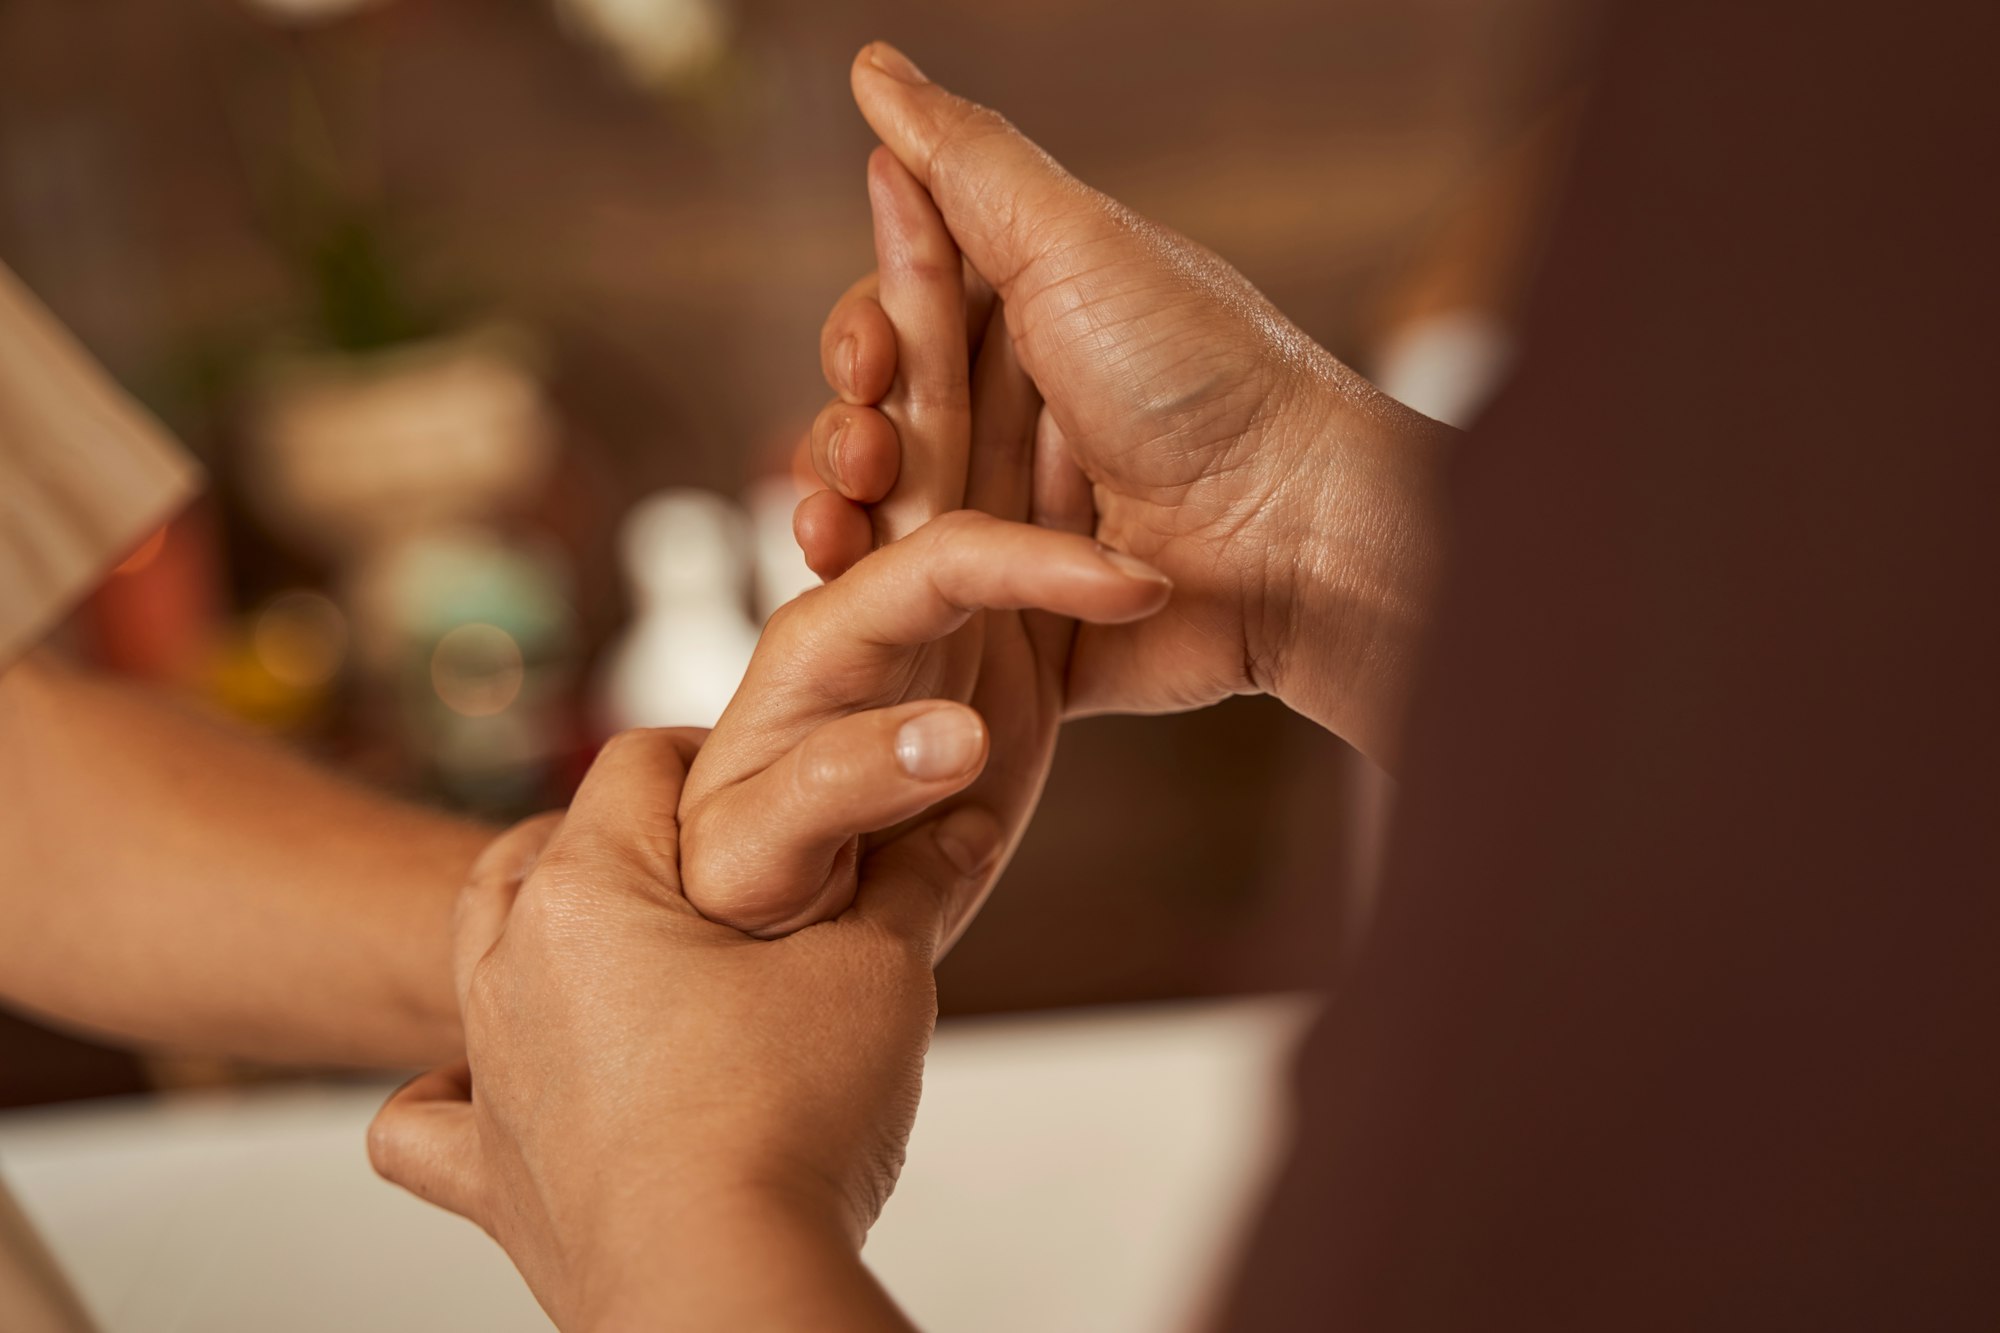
column 687, row 555
column 782, row 572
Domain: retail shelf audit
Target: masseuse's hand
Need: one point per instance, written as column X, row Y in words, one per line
column 933, row 668
column 1293, row 505
column 668, row 1124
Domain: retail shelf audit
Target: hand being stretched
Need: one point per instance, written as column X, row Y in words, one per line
column 933, row 666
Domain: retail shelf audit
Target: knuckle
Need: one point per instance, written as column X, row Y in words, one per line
column 486, row 991
column 783, row 626
column 625, row 744
column 942, row 392
column 956, row 528
column 566, row 882
column 967, row 127
column 932, row 263
column 826, row 764
column 385, row 1145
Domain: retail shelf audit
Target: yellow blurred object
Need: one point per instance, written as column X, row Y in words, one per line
column 277, row 666
column 300, row 638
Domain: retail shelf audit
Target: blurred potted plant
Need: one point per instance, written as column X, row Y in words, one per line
column 399, row 441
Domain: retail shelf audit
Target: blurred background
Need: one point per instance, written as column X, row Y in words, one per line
column 495, row 325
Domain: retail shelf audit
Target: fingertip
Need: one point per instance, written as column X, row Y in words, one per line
column 833, row 533
column 1137, row 570
column 909, row 231
column 1141, row 590
column 947, row 743
column 886, row 59
column 858, row 349
column 422, row 1139
column 856, row 452
column 970, row 838
column 883, row 168
column 1062, row 497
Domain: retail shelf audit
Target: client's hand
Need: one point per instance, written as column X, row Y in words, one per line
column 665, row 1123
column 821, row 741
column 1294, row 506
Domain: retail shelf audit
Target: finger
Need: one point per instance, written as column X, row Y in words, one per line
column 856, row 451
column 1009, row 205
column 923, row 293
column 1062, row 498
column 999, row 476
column 857, row 345
column 424, row 1139
column 858, row 357
column 923, row 885
column 774, row 852
column 979, row 302
column 833, row 533
column 629, row 803
column 487, row 897
column 924, row 587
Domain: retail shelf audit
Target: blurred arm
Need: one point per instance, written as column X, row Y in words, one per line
column 167, row 880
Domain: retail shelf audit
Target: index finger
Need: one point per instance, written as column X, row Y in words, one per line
column 915, row 591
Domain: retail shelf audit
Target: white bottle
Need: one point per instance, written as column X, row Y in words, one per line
column 782, row 572
column 687, row 554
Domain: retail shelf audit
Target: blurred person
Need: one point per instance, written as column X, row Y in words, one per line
column 154, row 883
column 164, row 879
column 1677, row 1008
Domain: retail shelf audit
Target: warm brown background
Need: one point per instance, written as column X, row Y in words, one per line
column 677, row 252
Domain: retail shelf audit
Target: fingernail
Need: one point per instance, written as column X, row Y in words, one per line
column 835, row 454
column 845, row 357
column 894, row 63
column 940, row 744
column 1133, row 568
column 969, row 841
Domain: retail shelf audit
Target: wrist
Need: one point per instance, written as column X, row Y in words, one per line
column 741, row 1255
column 1357, row 552
column 438, row 857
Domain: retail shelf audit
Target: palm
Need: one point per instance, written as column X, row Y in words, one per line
column 1169, row 433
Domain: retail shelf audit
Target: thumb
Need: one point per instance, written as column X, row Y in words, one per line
column 424, row 1139
column 1007, row 203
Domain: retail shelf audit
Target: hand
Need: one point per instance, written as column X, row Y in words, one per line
column 823, row 708
column 864, row 683
column 1295, row 507
column 665, row 1123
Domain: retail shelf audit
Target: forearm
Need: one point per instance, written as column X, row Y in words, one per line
column 167, row 880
